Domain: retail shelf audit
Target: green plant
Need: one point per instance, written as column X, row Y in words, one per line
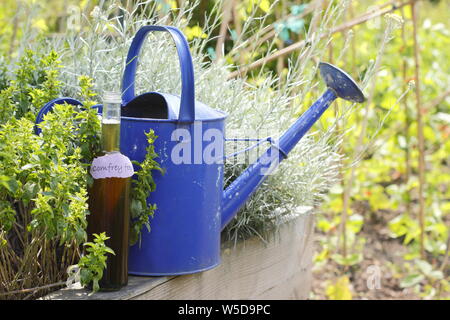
column 3, row 73
column 427, row 281
column 43, row 199
column 93, row 262
column 339, row 290
column 44, row 179
column 36, row 82
column 143, row 185
column 33, row 83
column 386, row 181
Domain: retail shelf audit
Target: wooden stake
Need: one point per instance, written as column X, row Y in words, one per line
column 226, row 16
column 236, row 18
column 420, row 135
column 280, row 43
column 407, row 118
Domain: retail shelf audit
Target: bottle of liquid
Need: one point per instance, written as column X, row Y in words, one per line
column 109, row 196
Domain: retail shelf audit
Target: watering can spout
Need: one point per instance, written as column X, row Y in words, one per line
column 340, row 85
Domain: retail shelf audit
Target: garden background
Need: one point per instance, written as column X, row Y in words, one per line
column 382, row 226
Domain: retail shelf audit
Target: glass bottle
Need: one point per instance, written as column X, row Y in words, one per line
column 109, row 196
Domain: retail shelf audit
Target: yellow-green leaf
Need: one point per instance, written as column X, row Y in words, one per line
column 340, row 290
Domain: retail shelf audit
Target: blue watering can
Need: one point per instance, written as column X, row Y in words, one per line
column 192, row 206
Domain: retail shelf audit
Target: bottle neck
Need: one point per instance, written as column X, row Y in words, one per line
column 111, row 126
column 110, row 136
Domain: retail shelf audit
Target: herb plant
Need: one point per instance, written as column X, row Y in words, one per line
column 143, row 185
column 44, row 180
column 93, row 262
column 43, row 191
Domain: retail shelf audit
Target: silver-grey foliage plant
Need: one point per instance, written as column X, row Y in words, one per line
column 97, row 47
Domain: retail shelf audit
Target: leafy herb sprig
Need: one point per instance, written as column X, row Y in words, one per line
column 93, row 263
column 143, row 185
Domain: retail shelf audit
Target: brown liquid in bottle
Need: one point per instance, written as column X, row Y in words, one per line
column 109, row 207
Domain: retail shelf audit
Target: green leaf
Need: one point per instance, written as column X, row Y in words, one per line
column 136, row 208
column 265, row 5
column 355, row 222
column 109, row 250
column 424, row 267
column 339, row 290
column 9, row 183
column 28, row 166
column 95, row 285
column 30, row 189
column 436, row 275
column 349, row 260
column 412, row 280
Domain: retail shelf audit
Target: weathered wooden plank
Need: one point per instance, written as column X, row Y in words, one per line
column 280, row 269
column 135, row 287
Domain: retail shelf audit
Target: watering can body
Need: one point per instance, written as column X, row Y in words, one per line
column 192, row 206
column 185, row 231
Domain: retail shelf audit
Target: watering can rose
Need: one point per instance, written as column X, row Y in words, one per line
column 112, row 165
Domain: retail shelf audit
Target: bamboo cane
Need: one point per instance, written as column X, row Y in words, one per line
column 226, row 16
column 420, row 134
column 407, row 120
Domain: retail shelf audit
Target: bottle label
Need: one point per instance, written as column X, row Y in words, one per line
column 112, row 165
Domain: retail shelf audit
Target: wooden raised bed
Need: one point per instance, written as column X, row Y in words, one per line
column 279, row 269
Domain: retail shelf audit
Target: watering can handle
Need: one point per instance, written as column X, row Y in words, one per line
column 187, row 104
